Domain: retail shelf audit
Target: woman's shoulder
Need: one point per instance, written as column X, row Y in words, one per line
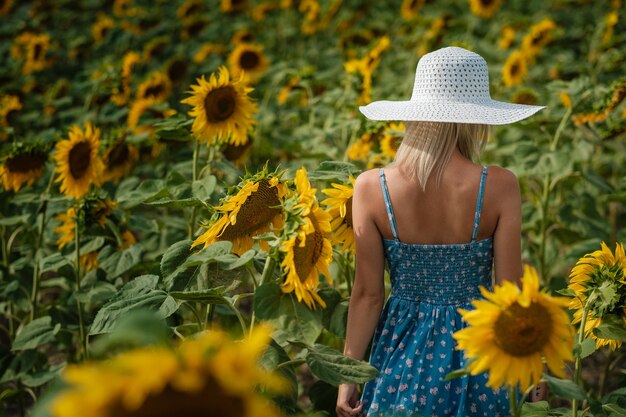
column 368, row 177
column 501, row 183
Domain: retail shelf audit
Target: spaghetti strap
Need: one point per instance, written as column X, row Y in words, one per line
column 479, row 203
column 392, row 220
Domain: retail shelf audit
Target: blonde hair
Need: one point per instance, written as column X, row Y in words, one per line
column 427, row 146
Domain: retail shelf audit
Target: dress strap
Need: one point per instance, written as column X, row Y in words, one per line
column 392, row 220
column 479, row 203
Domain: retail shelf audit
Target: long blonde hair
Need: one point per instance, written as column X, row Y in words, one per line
column 427, row 146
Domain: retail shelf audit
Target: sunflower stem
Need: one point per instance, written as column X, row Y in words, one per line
column 581, row 338
column 194, row 176
column 515, row 409
column 83, row 339
column 35, row 290
column 268, row 269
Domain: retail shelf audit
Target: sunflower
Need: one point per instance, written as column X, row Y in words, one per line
column 231, row 6
column 5, row 7
column 237, row 154
column 242, row 36
column 565, row 99
column 308, row 250
column 121, row 93
column 154, row 48
column 128, row 239
column 146, row 106
column 89, row 261
column 510, row 332
column 101, row 27
column 410, row 8
column 248, row 59
column 158, row 86
column 8, row 104
column 484, row 8
column 121, row 8
column 188, row 8
column 366, row 66
column 67, row 229
column 205, row 50
column 22, row 167
column 340, row 209
column 392, row 137
column 599, row 283
column 118, row 160
column 221, row 108
column 610, row 20
column 192, row 27
column 176, row 69
column 259, row 12
column 208, row 374
column 433, row 36
column 538, row 36
column 250, row 212
column 508, row 36
column 77, row 161
column 525, row 96
column 31, row 48
column 514, row 69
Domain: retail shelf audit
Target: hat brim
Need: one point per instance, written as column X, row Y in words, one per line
column 490, row 112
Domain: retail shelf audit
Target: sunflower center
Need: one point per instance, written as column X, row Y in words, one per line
column 177, row 70
column 192, row 10
column 37, row 51
column 515, row 69
column 305, row 258
column 486, row 3
column 195, row 28
column 522, row 331
column 212, row 401
column 154, row 91
column 536, row 40
column 220, row 104
column 233, row 152
column 256, row 212
column 25, row 162
column 249, row 60
column 80, row 157
column 348, row 218
column 118, row 155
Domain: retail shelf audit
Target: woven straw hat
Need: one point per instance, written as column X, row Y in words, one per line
column 451, row 85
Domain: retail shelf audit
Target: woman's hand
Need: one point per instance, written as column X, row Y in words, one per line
column 348, row 404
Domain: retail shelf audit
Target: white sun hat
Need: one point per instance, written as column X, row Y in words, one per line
column 451, row 85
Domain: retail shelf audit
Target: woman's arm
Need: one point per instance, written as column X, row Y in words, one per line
column 507, row 249
column 368, row 294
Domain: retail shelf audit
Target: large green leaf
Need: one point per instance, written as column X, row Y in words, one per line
column 36, row 333
column 203, row 188
column 333, row 367
column 115, row 263
column 565, row 388
column 292, row 320
column 330, row 170
column 141, row 292
column 611, row 328
column 146, row 191
column 209, row 296
column 536, row 409
column 176, row 275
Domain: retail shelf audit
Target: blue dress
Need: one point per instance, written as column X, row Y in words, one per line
column 412, row 345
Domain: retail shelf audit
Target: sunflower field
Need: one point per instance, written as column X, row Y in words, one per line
column 176, row 191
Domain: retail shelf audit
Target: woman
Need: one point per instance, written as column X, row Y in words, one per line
column 444, row 224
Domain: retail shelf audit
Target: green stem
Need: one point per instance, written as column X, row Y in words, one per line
column 581, row 338
column 194, row 174
column 296, row 362
column 268, row 269
column 208, row 318
column 515, row 409
column 242, row 322
column 83, row 339
column 36, row 276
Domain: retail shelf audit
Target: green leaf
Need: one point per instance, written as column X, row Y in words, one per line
column 40, row 377
column 610, row 331
column 614, row 409
column 586, row 348
column 271, row 358
column 92, row 245
column 13, row 220
column 146, row 191
column 54, row 262
column 339, row 319
column 176, row 275
column 568, row 292
column 457, row 373
column 210, row 296
column 564, row 388
column 141, row 292
column 330, row 170
column 116, row 263
column 208, row 254
column 536, row 409
column 203, row 188
column 291, row 319
column 139, row 328
column 331, row 366
column 97, row 292
column 36, row 333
